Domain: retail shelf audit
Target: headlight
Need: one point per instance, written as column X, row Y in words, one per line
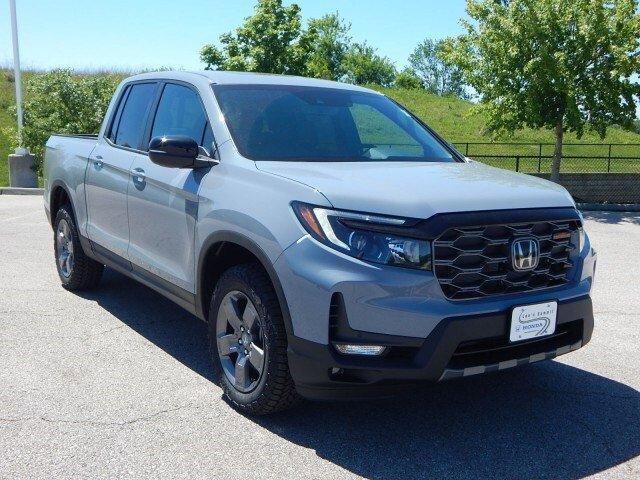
column 364, row 237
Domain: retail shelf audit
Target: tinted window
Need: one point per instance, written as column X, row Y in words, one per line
column 279, row 122
column 180, row 112
column 117, row 115
column 134, row 114
column 207, row 138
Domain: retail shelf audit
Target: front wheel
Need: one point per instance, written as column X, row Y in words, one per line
column 248, row 342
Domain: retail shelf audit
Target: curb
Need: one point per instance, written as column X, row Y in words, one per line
column 21, row 191
column 608, row 207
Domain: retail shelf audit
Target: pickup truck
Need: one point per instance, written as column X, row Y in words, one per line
column 336, row 246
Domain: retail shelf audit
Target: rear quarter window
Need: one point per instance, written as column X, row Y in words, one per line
column 118, row 113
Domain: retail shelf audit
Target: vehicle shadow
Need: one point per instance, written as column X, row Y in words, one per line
column 548, row 420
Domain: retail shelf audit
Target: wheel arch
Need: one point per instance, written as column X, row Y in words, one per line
column 59, row 196
column 224, row 249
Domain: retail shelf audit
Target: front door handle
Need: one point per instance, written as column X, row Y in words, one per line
column 138, row 175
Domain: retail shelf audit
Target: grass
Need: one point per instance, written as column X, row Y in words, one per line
column 450, row 117
column 7, row 122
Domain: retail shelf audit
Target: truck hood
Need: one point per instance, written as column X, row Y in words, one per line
column 420, row 190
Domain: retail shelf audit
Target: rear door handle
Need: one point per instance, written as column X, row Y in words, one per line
column 98, row 162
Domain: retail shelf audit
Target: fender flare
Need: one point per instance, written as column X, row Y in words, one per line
column 258, row 252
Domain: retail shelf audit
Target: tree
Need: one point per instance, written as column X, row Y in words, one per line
column 269, row 41
column 364, row 66
column 61, row 102
column 438, row 75
column 328, row 40
column 558, row 64
column 408, row 79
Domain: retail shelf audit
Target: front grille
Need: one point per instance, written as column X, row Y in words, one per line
column 474, row 262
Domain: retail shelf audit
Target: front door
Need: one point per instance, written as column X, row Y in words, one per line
column 163, row 201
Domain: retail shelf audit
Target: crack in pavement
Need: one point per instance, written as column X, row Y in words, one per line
column 89, row 335
column 102, row 423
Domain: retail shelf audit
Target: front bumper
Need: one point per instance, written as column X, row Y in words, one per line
column 457, row 347
column 431, row 337
column 389, row 300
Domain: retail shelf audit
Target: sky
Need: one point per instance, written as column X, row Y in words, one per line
column 145, row 34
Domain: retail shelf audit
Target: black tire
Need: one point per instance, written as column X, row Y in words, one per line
column 275, row 390
column 84, row 273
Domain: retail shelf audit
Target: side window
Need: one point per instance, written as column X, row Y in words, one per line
column 207, row 138
column 118, row 113
column 132, row 120
column 180, row 113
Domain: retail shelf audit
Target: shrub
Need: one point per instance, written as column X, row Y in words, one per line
column 364, row 66
column 408, row 79
column 60, row 102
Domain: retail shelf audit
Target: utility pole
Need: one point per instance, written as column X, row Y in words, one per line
column 16, row 73
column 21, row 172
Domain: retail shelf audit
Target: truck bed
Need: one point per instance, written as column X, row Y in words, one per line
column 65, row 162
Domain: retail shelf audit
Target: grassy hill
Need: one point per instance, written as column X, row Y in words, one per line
column 7, row 122
column 448, row 116
column 452, row 118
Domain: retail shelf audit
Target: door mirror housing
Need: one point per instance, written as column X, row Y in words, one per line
column 175, row 151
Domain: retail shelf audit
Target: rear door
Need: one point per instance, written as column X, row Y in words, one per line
column 108, row 173
column 163, row 201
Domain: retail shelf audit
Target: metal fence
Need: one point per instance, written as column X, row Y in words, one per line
column 593, row 173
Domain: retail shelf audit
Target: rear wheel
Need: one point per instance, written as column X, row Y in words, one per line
column 75, row 269
column 248, row 342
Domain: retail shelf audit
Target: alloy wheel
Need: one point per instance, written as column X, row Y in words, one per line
column 64, row 248
column 240, row 340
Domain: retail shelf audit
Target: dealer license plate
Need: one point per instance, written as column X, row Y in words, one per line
column 533, row 321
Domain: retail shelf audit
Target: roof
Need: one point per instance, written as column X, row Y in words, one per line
column 247, row 78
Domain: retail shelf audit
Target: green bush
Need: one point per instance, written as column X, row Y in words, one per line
column 407, row 79
column 61, row 102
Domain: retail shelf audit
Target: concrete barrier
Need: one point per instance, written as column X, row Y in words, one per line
column 21, row 173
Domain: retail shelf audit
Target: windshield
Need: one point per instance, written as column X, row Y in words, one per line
column 280, row 122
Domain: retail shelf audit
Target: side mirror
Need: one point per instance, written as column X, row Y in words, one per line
column 176, row 151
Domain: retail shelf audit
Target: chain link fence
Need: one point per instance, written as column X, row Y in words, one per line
column 593, row 173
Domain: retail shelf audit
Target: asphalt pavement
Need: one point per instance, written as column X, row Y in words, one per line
column 117, row 384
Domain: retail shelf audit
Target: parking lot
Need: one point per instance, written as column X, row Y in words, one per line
column 117, row 383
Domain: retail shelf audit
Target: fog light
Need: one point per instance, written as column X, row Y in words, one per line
column 370, row 350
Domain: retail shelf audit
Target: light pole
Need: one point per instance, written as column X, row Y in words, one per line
column 21, row 171
column 16, row 73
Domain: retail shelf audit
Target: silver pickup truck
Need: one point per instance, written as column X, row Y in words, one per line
column 335, row 244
